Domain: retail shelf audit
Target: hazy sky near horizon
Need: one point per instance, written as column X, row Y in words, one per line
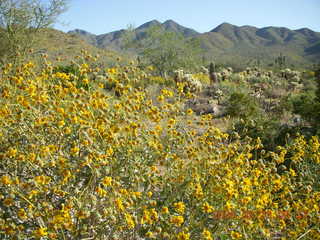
column 103, row 16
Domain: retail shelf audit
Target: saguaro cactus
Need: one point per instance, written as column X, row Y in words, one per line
column 280, row 61
column 212, row 73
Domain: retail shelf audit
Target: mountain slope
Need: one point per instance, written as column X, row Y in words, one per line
column 229, row 42
column 65, row 47
column 245, row 42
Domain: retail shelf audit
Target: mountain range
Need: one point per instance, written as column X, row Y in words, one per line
column 228, row 43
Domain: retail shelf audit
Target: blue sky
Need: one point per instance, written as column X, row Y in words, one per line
column 103, row 16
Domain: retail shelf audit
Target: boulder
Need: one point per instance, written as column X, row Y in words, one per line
column 201, row 109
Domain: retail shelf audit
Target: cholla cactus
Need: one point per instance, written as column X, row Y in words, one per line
column 178, row 75
column 230, row 70
column 269, row 74
column 192, row 85
column 225, row 74
column 295, row 86
column 289, row 74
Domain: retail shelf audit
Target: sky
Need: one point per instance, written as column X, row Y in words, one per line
column 103, row 16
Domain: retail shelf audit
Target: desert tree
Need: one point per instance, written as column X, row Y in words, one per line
column 21, row 20
column 165, row 50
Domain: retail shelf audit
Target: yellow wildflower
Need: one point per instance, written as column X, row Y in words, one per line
column 207, row 208
column 130, row 221
column 74, row 151
column 165, row 210
column 183, row 236
column 12, row 152
column 189, row 111
column 119, row 204
column 180, row 207
column 236, row 235
column 177, row 220
column 22, row 214
column 6, row 180
column 8, row 202
column 40, row 232
column 206, row 234
column 107, row 181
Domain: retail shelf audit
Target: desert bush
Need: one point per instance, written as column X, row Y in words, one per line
column 262, row 127
column 306, row 105
column 242, row 105
column 309, row 83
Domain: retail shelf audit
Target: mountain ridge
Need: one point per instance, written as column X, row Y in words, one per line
column 227, row 41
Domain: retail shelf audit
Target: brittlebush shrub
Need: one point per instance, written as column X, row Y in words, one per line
column 81, row 163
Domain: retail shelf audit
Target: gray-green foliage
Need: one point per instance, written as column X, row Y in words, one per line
column 20, row 20
column 166, row 50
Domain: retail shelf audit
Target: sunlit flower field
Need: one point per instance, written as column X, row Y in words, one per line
column 91, row 154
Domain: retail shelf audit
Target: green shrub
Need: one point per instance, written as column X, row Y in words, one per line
column 68, row 69
column 307, row 106
column 265, row 128
column 242, row 105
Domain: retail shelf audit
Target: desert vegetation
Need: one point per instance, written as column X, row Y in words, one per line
column 120, row 153
column 128, row 149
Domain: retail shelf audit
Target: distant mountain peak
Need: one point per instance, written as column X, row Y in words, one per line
column 305, row 31
column 223, row 27
column 149, row 24
column 226, row 24
column 173, row 26
column 170, row 21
